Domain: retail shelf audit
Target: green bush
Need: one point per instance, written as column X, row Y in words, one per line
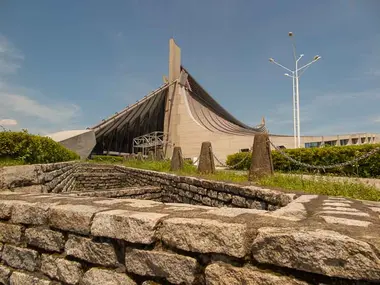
column 107, row 159
column 369, row 167
column 236, row 159
column 25, row 148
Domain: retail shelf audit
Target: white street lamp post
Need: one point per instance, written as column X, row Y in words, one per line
column 295, row 75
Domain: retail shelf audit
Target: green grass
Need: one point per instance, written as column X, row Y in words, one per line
column 10, row 162
column 322, row 186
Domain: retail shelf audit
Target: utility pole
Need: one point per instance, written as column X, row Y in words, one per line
column 295, row 75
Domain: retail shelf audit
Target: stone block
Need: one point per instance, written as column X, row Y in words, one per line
column 97, row 276
column 101, row 253
column 261, row 163
column 73, row 218
column 45, row 239
column 193, row 188
column 5, row 272
column 226, row 274
column 206, row 201
column 6, row 208
column 212, row 194
column 134, row 227
column 30, row 213
column 177, row 269
column 21, row 278
column 328, row 252
column 18, row 176
column 206, row 159
column 61, row 269
column 21, row 258
column 177, row 159
column 252, row 204
column 225, row 197
column 10, row 233
column 216, row 237
column 273, row 197
column 238, row 201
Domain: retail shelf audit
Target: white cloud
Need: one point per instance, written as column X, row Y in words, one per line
column 8, row 122
column 10, row 57
column 28, row 108
column 25, row 106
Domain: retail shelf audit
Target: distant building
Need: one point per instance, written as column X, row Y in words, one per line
column 182, row 113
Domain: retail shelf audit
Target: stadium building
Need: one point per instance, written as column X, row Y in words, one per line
column 182, row 113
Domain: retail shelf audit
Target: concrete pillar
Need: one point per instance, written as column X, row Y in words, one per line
column 337, row 141
column 322, row 141
column 171, row 106
column 349, row 140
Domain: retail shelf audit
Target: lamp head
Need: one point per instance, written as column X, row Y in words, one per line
column 290, row 34
column 271, row 60
column 317, row 57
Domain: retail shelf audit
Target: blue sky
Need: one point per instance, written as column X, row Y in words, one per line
column 69, row 64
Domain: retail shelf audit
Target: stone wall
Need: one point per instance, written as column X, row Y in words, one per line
column 54, row 177
column 191, row 190
column 144, row 193
column 48, row 239
column 70, row 177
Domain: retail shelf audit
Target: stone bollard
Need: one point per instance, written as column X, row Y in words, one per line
column 126, row 157
column 206, row 162
column 177, row 159
column 160, row 154
column 139, row 156
column 261, row 164
column 151, row 155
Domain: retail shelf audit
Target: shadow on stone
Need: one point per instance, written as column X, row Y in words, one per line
column 206, row 159
column 177, row 159
column 261, row 164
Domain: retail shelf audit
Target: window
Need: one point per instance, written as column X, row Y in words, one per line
column 331, row 143
column 312, row 144
column 344, row 142
column 244, row 150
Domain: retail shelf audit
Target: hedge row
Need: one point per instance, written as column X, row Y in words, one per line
column 30, row 149
column 369, row 167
